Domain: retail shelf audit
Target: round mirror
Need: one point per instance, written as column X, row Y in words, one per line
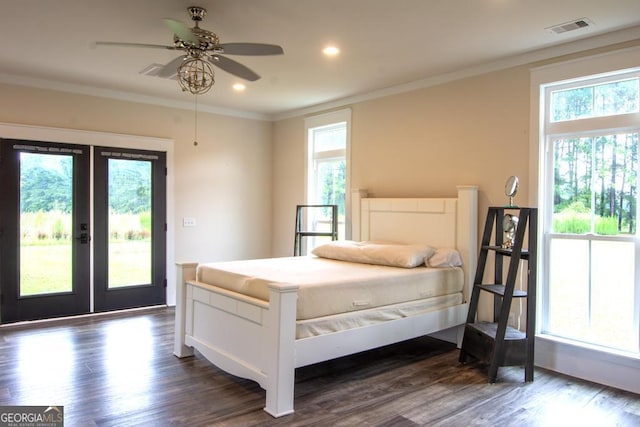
column 511, row 188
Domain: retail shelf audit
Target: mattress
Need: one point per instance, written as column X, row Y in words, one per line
column 357, row 319
column 329, row 287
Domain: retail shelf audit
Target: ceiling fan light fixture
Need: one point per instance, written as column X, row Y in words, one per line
column 196, row 76
column 331, row 51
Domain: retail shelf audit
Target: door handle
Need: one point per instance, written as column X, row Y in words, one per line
column 84, row 238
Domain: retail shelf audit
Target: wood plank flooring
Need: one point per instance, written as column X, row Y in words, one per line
column 119, row 370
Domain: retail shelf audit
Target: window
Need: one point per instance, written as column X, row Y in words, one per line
column 327, row 172
column 591, row 291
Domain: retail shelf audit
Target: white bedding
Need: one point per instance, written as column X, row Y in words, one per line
column 329, row 287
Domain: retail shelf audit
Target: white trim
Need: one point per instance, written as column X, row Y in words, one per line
column 603, row 40
column 588, row 362
column 595, row 42
column 91, row 138
column 319, row 120
column 127, row 96
column 613, row 369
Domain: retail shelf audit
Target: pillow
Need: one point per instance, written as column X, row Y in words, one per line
column 444, row 257
column 378, row 253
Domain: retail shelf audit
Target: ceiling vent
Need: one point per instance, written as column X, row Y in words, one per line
column 570, row 26
column 154, row 70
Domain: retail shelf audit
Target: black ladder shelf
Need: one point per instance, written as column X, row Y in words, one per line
column 496, row 343
column 300, row 233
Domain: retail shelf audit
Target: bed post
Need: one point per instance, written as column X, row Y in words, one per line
column 281, row 349
column 467, row 241
column 467, row 236
column 184, row 271
column 356, row 213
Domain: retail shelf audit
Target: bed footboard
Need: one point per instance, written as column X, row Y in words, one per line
column 243, row 336
column 184, row 271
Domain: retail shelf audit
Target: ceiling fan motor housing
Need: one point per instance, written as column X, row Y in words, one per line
column 197, row 13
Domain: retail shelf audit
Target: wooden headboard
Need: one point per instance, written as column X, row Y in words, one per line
column 439, row 222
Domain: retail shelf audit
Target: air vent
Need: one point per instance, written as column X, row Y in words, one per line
column 154, row 70
column 570, row 26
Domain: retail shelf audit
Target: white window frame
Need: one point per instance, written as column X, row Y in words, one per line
column 590, row 362
column 321, row 120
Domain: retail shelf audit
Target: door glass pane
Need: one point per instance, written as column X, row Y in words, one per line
column 46, row 205
column 129, row 195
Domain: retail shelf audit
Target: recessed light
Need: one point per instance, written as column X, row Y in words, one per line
column 239, row 87
column 331, row 51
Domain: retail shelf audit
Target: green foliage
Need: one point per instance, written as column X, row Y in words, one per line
column 46, row 183
column 130, row 226
column 606, row 226
column 40, row 227
column 333, row 185
column 568, row 222
column 576, row 219
column 596, row 176
column 129, row 186
column 145, row 221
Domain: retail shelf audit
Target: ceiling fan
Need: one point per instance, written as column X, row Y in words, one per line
column 201, row 48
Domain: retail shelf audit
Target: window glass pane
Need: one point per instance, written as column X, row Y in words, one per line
column 568, row 293
column 595, row 185
column 597, row 305
column 129, row 222
column 332, row 137
column 46, row 206
column 330, row 190
column 612, row 295
column 330, row 183
column 607, row 99
column 616, row 98
column 571, row 104
column 572, row 185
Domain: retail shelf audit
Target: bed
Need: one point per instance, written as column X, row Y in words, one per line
column 265, row 330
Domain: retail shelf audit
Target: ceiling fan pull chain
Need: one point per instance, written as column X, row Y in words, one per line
column 195, row 140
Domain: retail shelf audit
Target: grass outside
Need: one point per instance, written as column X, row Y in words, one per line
column 46, row 268
column 129, row 263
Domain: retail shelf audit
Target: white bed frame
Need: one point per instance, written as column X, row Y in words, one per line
column 254, row 339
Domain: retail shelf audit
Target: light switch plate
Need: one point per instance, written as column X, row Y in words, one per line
column 188, row 221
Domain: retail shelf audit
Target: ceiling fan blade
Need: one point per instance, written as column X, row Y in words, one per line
column 172, row 67
column 181, row 30
column 122, row 44
column 251, row 49
column 233, row 67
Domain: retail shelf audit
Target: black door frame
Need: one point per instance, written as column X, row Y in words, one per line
column 106, row 299
column 13, row 307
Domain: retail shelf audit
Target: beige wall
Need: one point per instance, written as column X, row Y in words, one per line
column 420, row 144
column 224, row 182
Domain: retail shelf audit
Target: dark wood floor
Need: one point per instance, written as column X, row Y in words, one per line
column 118, row 370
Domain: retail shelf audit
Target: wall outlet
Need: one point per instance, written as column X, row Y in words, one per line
column 188, row 221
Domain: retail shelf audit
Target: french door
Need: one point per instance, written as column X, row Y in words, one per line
column 47, row 233
column 44, row 230
column 130, row 217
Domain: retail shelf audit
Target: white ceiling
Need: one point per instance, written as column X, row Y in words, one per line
column 383, row 44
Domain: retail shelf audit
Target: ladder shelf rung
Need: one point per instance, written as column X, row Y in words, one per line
column 490, row 329
column 500, row 290
column 524, row 254
column 315, row 233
